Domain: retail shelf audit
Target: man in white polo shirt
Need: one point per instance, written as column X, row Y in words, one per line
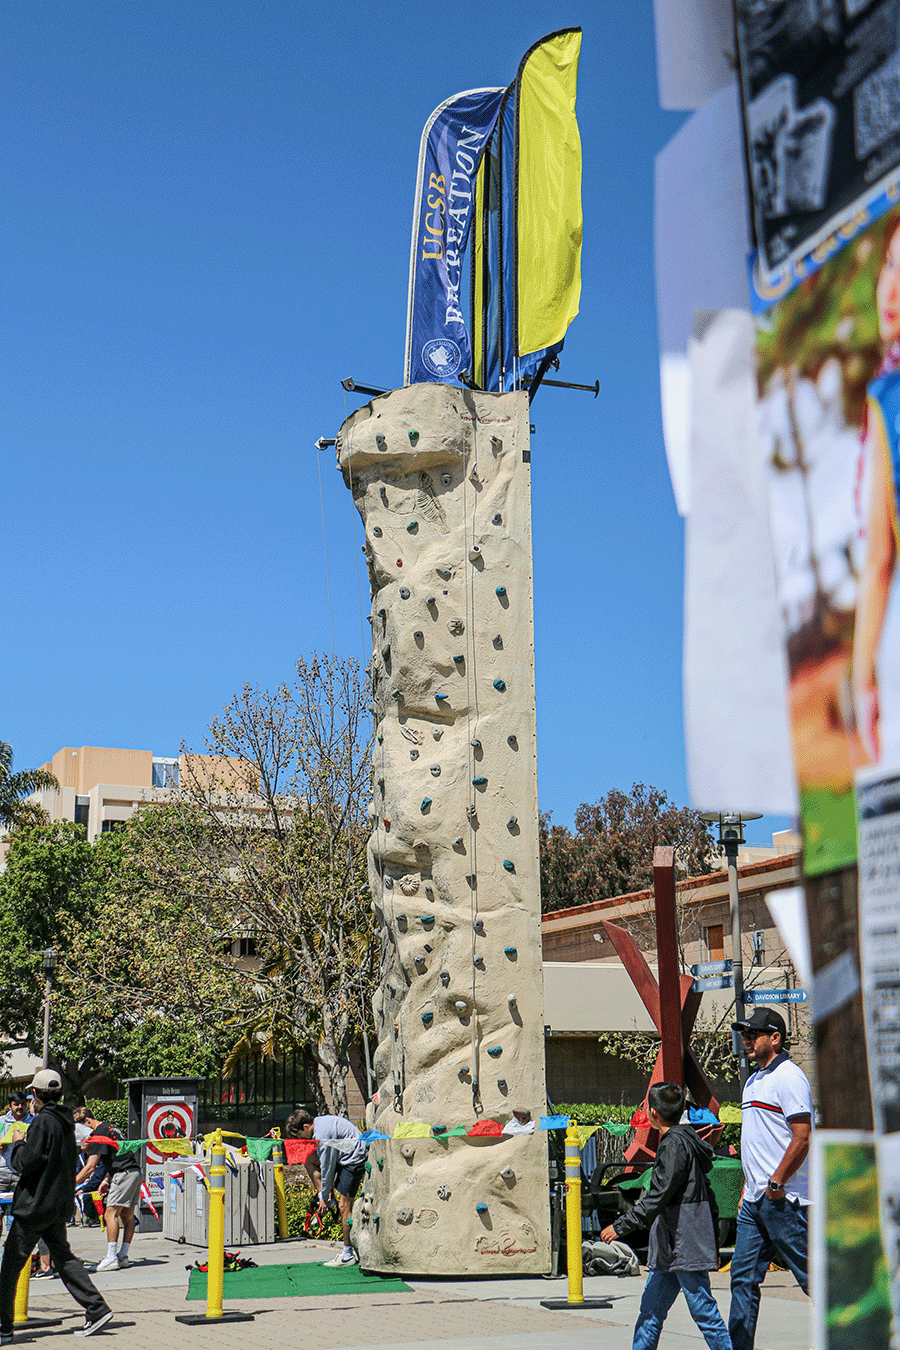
column 776, row 1124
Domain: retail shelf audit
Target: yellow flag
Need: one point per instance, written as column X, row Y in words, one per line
column 549, row 192
column 180, row 1146
column 585, row 1132
column 412, row 1129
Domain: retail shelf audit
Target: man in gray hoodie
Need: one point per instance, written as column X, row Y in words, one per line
column 680, row 1206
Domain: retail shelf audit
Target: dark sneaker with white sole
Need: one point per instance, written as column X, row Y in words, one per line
column 92, row 1324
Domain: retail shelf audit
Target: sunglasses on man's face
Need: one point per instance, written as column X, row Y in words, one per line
column 753, row 1035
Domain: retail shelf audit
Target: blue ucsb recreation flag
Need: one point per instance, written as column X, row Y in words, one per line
column 501, row 170
column 437, row 339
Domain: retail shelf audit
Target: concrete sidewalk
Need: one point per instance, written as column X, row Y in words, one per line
column 488, row 1314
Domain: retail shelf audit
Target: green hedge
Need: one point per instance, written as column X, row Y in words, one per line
column 592, row 1113
column 111, row 1113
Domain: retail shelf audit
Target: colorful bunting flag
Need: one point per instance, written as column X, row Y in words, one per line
column 553, row 1123
column 412, row 1129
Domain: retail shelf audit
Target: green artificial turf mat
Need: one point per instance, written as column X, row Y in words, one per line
column 297, row 1281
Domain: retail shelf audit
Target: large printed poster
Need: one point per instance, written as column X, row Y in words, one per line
column 829, row 385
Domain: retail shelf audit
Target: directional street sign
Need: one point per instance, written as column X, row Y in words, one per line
column 715, row 982
column 775, row 995
column 703, row 968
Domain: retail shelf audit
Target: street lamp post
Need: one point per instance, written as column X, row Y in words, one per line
column 731, row 836
column 48, row 965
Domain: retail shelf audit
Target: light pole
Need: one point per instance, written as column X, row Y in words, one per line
column 48, row 965
column 731, row 836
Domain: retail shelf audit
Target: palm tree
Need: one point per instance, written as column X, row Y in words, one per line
column 15, row 810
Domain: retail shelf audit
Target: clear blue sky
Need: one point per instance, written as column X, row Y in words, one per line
column 206, row 215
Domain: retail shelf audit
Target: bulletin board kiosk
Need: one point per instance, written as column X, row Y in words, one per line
column 160, row 1109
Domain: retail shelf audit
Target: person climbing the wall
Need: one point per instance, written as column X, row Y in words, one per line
column 342, row 1170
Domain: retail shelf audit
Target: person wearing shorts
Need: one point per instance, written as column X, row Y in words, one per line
column 122, row 1188
column 344, row 1153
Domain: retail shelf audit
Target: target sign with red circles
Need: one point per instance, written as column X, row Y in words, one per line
column 167, row 1120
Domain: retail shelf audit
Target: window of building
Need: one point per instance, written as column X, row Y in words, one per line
column 166, row 773
column 82, row 811
column 714, row 936
column 245, row 946
column 110, row 826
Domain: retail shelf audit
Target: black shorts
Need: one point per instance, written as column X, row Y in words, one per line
column 347, row 1179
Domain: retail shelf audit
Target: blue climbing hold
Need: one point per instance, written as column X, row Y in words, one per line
column 426, row 802
column 508, row 865
column 427, row 1018
column 441, row 698
column 481, row 1207
column 479, row 782
column 501, row 591
column 500, row 684
column 495, row 1051
column 426, row 920
column 413, row 436
column 412, row 527
column 510, row 951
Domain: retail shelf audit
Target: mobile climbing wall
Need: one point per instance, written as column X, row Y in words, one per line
column 441, row 477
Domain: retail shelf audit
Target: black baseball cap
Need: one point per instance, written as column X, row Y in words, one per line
column 762, row 1019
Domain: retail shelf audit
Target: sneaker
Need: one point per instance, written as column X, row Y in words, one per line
column 92, row 1324
column 108, row 1263
column 5, row 1338
column 343, row 1260
column 124, row 1261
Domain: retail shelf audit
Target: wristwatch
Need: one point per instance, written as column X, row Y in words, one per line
column 773, row 1185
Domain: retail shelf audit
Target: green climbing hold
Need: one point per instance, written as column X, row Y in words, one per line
column 413, row 436
column 426, row 802
column 412, row 527
column 368, row 1168
column 500, row 684
column 459, row 660
column 427, row 1018
column 510, row 866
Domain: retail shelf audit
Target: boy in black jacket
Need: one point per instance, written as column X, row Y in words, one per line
column 683, row 1238
column 46, row 1162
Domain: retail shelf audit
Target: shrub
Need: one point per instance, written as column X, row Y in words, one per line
column 113, row 1113
column 299, row 1198
column 609, row 1147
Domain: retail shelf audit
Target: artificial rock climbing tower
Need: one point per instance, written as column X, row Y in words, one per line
column 441, row 477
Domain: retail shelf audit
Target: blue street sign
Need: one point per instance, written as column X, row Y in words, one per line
column 716, row 982
column 775, row 995
column 712, row 967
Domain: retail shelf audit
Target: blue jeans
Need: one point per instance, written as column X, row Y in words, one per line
column 661, row 1291
column 767, row 1230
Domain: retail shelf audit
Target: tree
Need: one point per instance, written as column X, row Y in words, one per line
column 16, row 812
column 273, row 839
column 117, row 1009
column 611, row 851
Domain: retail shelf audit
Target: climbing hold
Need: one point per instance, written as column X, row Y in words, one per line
column 479, row 782
column 368, row 1168
column 511, row 1000
column 472, row 880
column 389, row 883
column 456, row 627
column 445, row 479
column 441, row 698
column 414, row 754
column 386, row 650
column 474, row 552
column 472, row 812
column 409, row 884
column 498, row 642
column 377, row 531
column 443, row 572
column 380, row 441
column 426, row 920
column 408, row 1152
column 500, row 591
column 508, row 865
column 500, row 685
column 459, row 660
column 463, row 1072
column 435, row 770
column 475, row 743
column 512, row 822
column 444, row 1192
column 380, row 1165
column 496, row 444
column 501, row 1083
column 478, row 925
column 497, row 519
column 473, row 476
column 413, row 436
column 380, row 738
column 461, row 1005
column 399, row 562
column 376, row 1218
column 478, row 961
column 397, row 695
column 510, row 951
column 387, row 823
column 495, row 1051
column 445, row 978
column 412, row 527
column 419, row 960
column 437, row 733
column 458, row 842
column 507, row 1173
column 427, row 1018
column 428, row 947
column 418, row 635
column 426, row 802
column 511, row 740
column 431, row 602
column 404, row 592
column 481, row 1207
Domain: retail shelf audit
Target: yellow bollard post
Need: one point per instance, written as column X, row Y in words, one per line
column 574, row 1238
column 281, row 1202
column 20, row 1313
column 215, row 1259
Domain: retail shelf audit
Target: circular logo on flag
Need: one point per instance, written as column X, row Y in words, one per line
column 167, row 1120
column 442, row 357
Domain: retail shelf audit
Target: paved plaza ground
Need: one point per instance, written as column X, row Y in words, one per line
column 497, row 1314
